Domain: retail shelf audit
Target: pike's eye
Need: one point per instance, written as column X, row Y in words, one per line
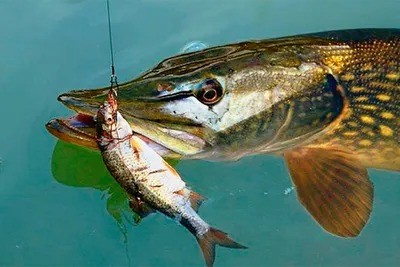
column 210, row 92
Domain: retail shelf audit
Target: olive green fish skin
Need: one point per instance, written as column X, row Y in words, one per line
column 324, row 89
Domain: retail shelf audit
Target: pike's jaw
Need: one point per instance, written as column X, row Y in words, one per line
column 81, row 130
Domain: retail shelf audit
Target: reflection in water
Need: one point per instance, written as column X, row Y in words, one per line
column 288, row 190
column 79, row 167
column 193, row 47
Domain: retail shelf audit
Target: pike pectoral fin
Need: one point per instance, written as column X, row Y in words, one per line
column 140, row 207
column 333, row 186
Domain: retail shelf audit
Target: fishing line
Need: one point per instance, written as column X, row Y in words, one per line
column 113, row 79
column 114, row 83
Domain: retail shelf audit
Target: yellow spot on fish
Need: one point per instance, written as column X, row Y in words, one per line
column 365, row 130
column 361, row 98
column 382, row 85
column 368, row 107
column 367, row 67
column 365, row 142
column 352, row 123
column 367, row 119
column 385, row 130
column 393, row 76
column 347, row 77
column 387, row 115
column 350, row 133
column 357, row 89
column 371, row 133
column 369, row 75
column 329, row 115
column 383, row 97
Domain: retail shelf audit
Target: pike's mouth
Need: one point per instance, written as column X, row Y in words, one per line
column 81, row 130
column 76, row 129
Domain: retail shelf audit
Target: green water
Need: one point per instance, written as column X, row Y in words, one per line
column 58, row 205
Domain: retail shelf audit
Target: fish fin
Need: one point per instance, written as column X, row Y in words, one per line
column 214, row 237
column 195, row 200
column 136, row 146
column 172, row 170
column 333, row 186
column 140, row 207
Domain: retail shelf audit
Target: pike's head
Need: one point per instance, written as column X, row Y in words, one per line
column 221, row 102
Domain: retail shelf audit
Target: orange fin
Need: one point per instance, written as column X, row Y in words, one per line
column 140, row 207
column 172, row 170
column 136, row 146
column 195, row 199
column 214, row 237
column 333, row 186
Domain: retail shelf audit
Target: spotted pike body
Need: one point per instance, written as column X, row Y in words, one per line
column 327, row 102
column 369, row 123
column 336, row 91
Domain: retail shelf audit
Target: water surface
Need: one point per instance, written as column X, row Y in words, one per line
column 60, row 207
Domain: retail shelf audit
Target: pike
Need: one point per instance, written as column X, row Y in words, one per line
column 327, row 102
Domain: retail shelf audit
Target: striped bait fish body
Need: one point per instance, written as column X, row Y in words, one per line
column 151, row 183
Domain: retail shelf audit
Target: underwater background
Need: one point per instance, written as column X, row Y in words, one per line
column 60, row 207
